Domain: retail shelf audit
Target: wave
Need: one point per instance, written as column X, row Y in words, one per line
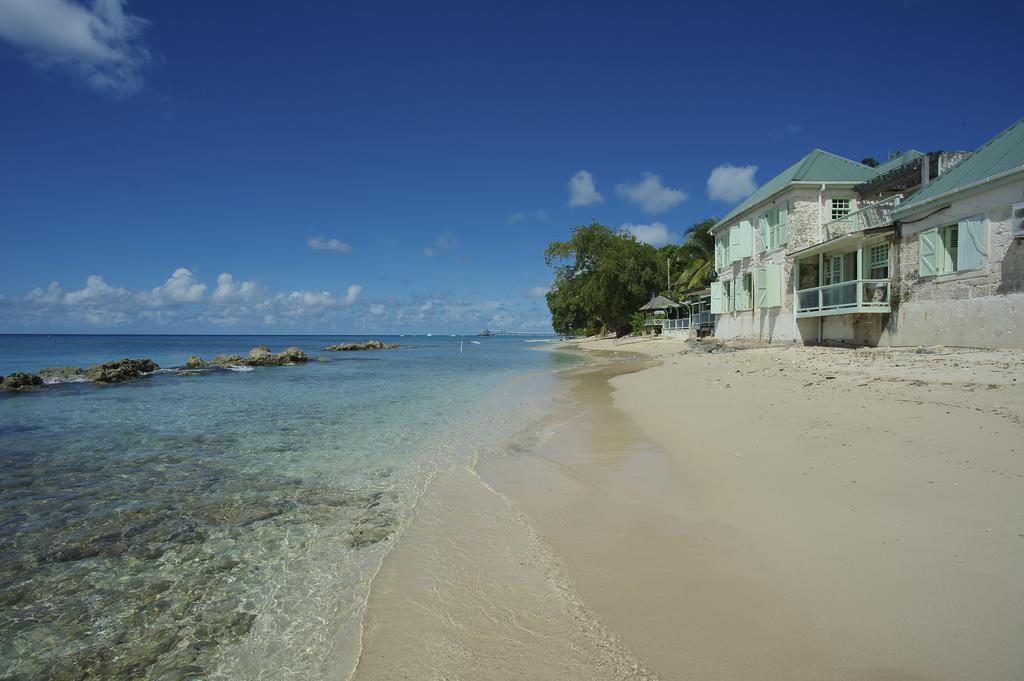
column 55, row 380
column 238, row 367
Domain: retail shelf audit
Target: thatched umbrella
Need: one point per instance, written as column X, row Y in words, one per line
column 659, row 303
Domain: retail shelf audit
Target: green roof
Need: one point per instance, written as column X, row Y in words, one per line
column 1002, row 153
column 894, row 163
column 817, row 166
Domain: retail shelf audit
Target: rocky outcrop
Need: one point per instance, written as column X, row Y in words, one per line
column 366, row 345
column 18, row 382
column 227, row 360
column 194, row 362
column 121, row 370
column 62, row 374
column 259, row 356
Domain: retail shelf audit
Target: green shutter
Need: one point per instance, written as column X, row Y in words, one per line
column 783, row 222
column 716, row 298
column 970, row 253
column 762, row 233
column 761, row 287
column 746, row 239
column 773, row 285
column 927, row 253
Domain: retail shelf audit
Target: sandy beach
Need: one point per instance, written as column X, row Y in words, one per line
column 771, row 513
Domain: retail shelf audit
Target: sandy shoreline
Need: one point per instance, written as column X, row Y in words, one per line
column 780, row 513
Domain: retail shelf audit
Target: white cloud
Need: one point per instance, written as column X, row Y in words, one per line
column 446, row 241
column 731, row 183
column 377, row 310
column 180, row 302
column 101, row 44
column 319, row 243
column 537, row 292
column 651, row 194
column 95, row 289
column 582, row 191
column 299, row 302
column 655, row 234
column 180, row 287
column 514, row 218
column 228, row 290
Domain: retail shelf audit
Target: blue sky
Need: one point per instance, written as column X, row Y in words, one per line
column 387, row 167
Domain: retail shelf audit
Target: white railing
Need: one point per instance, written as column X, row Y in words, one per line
column 872, row 215
column 858, row 295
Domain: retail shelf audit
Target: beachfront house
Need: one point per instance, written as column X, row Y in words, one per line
column 959, row 274
column 925, row 249
column 842, row 288
column 752, row 296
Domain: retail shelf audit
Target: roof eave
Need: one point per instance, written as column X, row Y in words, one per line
column 911, row 209
column 792, row 183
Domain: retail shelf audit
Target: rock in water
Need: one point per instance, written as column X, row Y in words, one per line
column 121, row 370
column 194, row 362
column 260, row 355
column 62, row 374
column 18, row 382
column 294, row 355
column 228, row 360
column 367, row 345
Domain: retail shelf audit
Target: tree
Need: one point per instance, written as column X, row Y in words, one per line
column 697, row 253
column 602, row 276
column 870, row 161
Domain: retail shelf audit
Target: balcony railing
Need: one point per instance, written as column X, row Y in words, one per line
column 704, row 319
column 876, row 214
column 858, row 295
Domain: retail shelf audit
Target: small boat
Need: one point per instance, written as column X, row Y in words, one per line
column 429, row 335
column 486, row 332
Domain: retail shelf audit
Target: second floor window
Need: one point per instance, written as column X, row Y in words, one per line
column 840, row 208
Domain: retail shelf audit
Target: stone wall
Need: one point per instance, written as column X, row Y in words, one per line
column 977, row 308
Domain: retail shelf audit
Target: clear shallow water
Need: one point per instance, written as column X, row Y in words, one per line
column 225, row 525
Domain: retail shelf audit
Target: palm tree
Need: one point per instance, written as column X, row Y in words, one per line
column 698, row 253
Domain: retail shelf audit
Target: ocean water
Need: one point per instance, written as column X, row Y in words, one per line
column 226, row 525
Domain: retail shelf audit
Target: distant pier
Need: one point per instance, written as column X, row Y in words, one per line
column 529, row 334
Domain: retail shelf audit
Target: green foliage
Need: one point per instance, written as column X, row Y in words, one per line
column 697, row 256
column 637, row 322
column 602, row 276
column 870, row 161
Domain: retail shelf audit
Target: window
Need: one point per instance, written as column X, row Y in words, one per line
column 722, row 249
column 744, row 288
column 1018, row 220
column 950, row 242
column 773, row 227
column 878, row 261
column 952, row 248
column 840, row 208
column 727, row 296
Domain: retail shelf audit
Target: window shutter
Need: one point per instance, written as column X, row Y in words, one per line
column 762, row 233
column 971, row 250
column 783, row 222
column 716, row 297
column 761, row 287
column 927, row 252
column 773, row 285
column 746, row 239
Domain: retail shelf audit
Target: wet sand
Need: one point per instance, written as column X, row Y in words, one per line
column 767, row 514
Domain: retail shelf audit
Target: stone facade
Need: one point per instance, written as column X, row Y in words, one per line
column 976, row 308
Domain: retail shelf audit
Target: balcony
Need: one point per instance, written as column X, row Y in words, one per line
column 848, row 297
column 873, row 215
